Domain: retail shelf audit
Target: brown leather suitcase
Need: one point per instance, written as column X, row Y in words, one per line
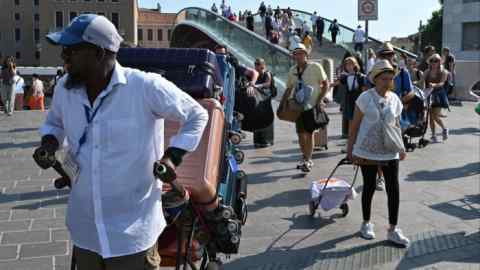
column 320, row 138
column 200, row 171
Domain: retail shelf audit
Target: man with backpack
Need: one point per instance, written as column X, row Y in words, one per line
column 334, row 30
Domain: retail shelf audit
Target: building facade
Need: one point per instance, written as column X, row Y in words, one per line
column 461, row 33
column 154, row 28
column 33, row 19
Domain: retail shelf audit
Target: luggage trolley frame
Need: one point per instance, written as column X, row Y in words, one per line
column 313, row 204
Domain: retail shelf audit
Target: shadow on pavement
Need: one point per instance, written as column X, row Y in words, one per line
column 39, row 198
column 22, row 130
column 470, row 169
column 465, row 131
column 467, row 208
column 4, row 146
column 283, row 199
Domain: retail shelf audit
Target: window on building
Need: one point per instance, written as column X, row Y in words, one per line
column 101, row 0
column 17, row 34
column 73, row 14
column 101, row 13
column 37, row 55
column 160, row 34
column 36, row 17
column 35, row 2
column 36, row 34
column 471, row 36
column 169, row 34
column 17, row 2
column 150, row 34
column 115, row 1
column 59, row 19
column 140, row 34
column 18, row 55
column 470, row 1
column 17, row 16
column 115, row 19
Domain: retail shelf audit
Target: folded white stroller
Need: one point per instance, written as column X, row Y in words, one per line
column 332, row 192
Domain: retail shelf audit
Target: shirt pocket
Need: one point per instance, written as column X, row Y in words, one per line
column 122, row 136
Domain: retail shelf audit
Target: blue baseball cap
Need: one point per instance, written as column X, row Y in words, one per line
column 91, row 28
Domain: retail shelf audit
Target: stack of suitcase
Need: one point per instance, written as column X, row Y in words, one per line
column 210, row 174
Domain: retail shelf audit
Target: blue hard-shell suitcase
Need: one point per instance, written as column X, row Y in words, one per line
column 195, row 71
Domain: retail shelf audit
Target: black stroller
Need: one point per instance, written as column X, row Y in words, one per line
column 417, row 116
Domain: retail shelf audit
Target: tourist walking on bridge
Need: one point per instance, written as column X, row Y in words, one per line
column 359, row 39
column 334, row 30
column 320, row 25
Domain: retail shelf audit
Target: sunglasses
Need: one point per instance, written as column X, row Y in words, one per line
column 434, row 61
column 258, row 64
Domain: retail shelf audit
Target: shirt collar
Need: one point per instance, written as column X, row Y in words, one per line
column 118, row 77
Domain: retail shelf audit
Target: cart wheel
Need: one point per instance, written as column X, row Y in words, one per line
column 312, row 208
column 243, row 210
column 214, row 265
column 345, row 209
column 236, row 139
column 239, row 156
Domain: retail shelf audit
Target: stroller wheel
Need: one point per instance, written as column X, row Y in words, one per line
column 236, row 139
column 239, row 156
column 312, row 207
column 345, row 209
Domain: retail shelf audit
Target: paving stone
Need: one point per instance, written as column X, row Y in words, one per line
column 58, row 235
column 62, row 262
column 26, row 237
column 43, row 249
column 4, row 215
column 8, row 252
column 60, row 212
column 31, row 214
column 58, row 223
column 28, row 264
column 19, row 225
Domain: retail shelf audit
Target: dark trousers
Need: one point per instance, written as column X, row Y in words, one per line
column 334, row 37
column 319, row 37
column 390, row 173
column 358, row 47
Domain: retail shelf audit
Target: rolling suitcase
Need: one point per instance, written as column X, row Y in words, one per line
column 320, row 137
column 195, row 71
column 200, row 170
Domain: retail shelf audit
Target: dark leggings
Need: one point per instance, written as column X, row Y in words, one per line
column 390, row 173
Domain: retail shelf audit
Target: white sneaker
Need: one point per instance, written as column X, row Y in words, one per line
column 397, row 237
column 367, row 231
column 380, row 184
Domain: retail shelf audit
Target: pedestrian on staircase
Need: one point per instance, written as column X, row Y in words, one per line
column 359, row 39
column 320, row 25
column 334, row 30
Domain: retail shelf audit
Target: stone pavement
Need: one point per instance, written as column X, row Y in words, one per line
column 440, row 206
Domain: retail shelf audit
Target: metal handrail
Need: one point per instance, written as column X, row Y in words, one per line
column 239, row 26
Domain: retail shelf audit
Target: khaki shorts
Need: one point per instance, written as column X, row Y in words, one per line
column 145, row 260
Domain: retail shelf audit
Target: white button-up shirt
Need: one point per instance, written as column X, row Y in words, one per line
column 115, row 206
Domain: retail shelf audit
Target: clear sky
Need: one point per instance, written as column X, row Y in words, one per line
column 397, row 18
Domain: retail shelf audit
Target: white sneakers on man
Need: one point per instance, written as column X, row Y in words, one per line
column 367, row 231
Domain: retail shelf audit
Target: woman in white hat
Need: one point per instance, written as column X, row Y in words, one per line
column 376, row 108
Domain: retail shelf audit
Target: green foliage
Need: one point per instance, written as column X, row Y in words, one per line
column 432, row 30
